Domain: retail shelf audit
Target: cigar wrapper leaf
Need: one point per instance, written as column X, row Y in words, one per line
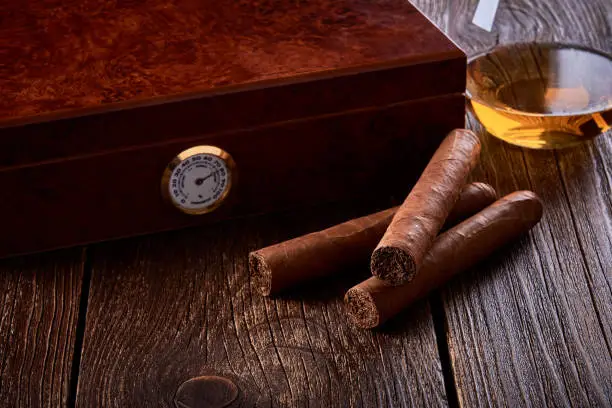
column 332, row 250
column 417, row 222
column 374, row 301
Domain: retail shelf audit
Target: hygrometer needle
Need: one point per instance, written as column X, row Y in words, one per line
column 201, row 180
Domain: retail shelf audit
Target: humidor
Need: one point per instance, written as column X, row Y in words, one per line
column 273, row 105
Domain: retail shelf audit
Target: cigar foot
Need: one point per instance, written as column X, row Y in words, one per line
column 392, row 265
column 362, row 308
column 260, row 273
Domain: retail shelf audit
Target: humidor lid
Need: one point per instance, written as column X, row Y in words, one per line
column 229, row 64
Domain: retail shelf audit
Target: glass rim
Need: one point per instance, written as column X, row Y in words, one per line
column 545, row 44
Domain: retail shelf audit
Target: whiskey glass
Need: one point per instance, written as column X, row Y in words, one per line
column 541, row 95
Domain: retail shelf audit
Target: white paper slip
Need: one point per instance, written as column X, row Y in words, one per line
column 485, row 14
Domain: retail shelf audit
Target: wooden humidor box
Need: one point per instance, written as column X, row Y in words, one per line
column 315, row 101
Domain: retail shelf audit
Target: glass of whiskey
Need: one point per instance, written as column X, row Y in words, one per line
column 542, row 95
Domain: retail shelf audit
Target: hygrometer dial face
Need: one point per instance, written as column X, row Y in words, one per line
column 199, row 179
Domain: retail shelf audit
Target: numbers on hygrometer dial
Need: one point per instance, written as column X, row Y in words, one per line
column 199, row 179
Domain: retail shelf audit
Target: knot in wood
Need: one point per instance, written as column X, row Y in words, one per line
column 206, row 392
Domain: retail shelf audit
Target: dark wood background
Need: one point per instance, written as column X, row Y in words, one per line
column 126, row 323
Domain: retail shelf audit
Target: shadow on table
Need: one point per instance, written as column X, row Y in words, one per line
column 327, row 288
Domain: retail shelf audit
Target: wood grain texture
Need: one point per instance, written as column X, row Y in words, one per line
column 532, row 326
column 67, row 55
column 164, row 120
column 567, row 21
column 39, row 306
column 172, row 307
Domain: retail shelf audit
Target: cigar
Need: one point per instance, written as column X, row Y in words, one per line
column 372, row 302
column 322, row 253
column 418, row 221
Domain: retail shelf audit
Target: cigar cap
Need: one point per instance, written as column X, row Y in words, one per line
column 467, row 132
column 486, row 190
column 533, row 210
column 362, row 309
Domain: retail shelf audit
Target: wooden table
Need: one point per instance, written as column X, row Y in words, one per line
column 126, row 323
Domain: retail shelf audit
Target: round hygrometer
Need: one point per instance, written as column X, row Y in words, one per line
column 199, row 179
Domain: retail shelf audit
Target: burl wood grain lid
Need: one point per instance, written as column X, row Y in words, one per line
column 80, row 56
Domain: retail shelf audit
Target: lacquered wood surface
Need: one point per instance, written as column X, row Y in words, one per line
column 182, row 118
column 66, row 55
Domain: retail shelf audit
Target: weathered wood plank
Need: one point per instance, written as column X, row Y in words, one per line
column 167, row 308
column 587, row 180
column 568, row 21
column 532, row 326
column 39, row 307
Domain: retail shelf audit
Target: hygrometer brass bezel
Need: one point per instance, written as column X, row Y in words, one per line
column 188, row 153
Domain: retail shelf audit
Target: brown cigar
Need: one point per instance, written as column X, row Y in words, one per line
column 373, row 301
column 418, row 221
column 322, row 253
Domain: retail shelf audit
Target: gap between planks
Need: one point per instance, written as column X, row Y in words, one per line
column 80, row 328
column 438, row 316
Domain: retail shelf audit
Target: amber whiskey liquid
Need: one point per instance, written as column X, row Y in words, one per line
column 542, row 95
